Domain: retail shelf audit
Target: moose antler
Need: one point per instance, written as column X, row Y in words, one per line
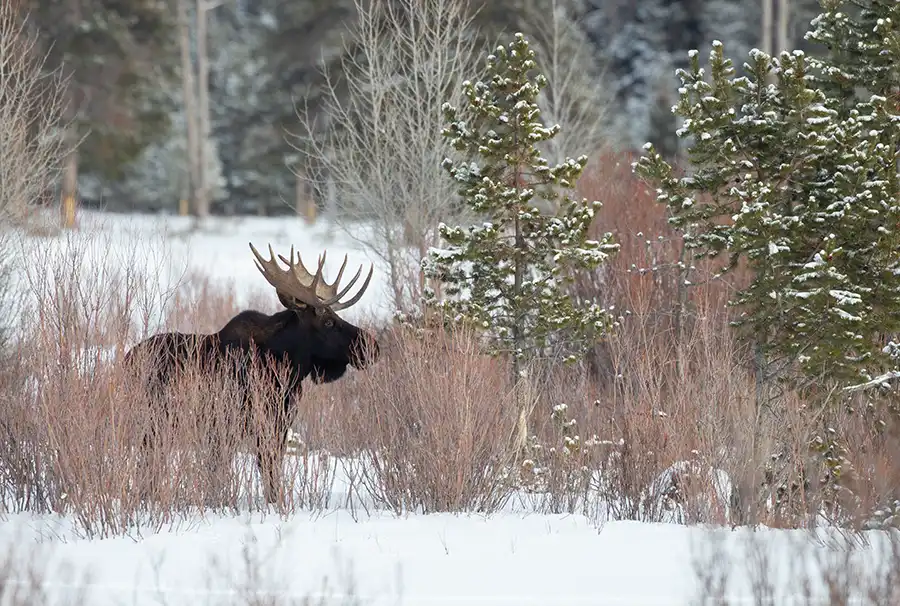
column 308, row 288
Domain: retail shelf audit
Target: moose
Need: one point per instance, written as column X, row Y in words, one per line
column 306, row 339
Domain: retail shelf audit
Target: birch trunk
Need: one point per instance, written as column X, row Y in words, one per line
column 766, row 26
column 189, row 99
column 203, row 111
column 784, row 19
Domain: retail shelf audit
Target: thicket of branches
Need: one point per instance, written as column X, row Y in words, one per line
column 641, row 377
column 32, row 142
column 31, row 112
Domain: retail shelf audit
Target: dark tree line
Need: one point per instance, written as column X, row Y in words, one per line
column 266, row 59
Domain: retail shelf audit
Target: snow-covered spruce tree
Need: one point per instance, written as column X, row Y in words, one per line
column 507, row 276
column 862, row 39
column 802, row 185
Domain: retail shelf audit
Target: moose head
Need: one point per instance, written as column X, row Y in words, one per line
column 327, row 341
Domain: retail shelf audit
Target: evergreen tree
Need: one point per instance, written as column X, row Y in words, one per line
column 299, row 42
column 121, row 57
column 862, row 41
column 802, row 185
column 508, row 275
column 237, row 79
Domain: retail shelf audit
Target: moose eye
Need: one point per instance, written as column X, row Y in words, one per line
column 329, row 323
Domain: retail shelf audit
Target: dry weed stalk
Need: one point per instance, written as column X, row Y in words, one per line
column 27, row 579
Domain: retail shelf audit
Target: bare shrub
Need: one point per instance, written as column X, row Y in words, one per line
column 379, row 155
column 663, row 422
column 31, row 110
column 648, row 246
column 31, row 144
column 21, row 466
column 82, row 312
column 434, row 433
column 250, row 579
column 687, row 442
column 660, row 441
column 652, row 274
column 76, row 418
column 203, row 305
column 859, row 489
column 622, row 436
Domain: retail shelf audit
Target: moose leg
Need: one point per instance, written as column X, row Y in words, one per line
column 151, row 454
column 269, row 459
column 272, row 442
column 270, row 447
column 146, row 449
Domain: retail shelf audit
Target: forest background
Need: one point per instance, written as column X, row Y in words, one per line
column 227, row 106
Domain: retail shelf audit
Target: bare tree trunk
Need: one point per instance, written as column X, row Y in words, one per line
column 70, row 166
column 203, row 111
column 190, row 109
column 766, row 32
column 784, row 18
column 69, row 184
column 517, row 288
column 682, row 275
column 304, row 203
column 69, row 190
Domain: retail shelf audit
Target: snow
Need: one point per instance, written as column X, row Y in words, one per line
column 171, row 253
column 342, row 554
column 506, row 558
column 438, row 559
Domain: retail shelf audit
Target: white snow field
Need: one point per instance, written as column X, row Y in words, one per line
column 344, row 556
column 168, row 251
column 438, row 559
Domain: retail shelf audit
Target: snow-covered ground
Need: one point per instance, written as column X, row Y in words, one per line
column 341, row 556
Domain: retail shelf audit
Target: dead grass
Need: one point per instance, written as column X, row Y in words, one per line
column 25, row 579
column 809, row 568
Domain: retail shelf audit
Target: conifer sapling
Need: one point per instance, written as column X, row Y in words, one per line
column 509, row 274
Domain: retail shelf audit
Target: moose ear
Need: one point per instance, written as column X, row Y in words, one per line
column 290, row 302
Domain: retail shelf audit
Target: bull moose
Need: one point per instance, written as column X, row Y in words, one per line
column 306, row 339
